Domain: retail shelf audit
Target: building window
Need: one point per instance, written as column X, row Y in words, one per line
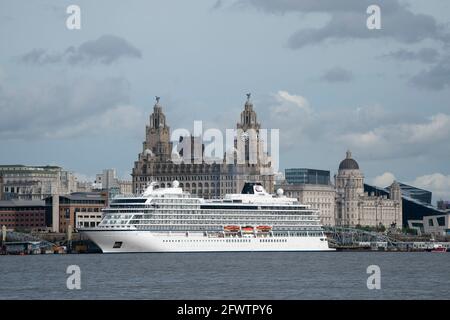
column 441, row 221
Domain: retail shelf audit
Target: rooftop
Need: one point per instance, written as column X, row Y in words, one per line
column 22, row 203
column 348, row 163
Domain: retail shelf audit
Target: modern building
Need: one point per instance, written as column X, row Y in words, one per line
column 88, row 219
column 209, row 179
column 355, row 207
column 77, row 204
column 307, row 176
column 35, row 182
column 18, row 214
column 318, row 196
column 437, row 225
column 423, row 196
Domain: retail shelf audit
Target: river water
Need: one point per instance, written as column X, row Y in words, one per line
column 258, row 275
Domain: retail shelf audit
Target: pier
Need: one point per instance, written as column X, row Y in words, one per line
column 353, row 239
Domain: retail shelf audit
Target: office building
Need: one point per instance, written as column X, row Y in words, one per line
column 23, row 215
column 307, row 176
column 72, row 205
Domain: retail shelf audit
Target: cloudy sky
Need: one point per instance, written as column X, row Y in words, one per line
column 81, row 98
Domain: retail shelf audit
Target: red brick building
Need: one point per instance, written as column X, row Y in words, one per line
column 88, row 203
column 23, row 214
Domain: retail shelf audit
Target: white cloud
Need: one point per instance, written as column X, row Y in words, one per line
column 371, row 131
column 401, row 139
column 437, row 183
column 384, row 180
column 291, row 114
column 289, row 102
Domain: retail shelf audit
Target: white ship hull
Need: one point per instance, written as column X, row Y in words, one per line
column 146, row 241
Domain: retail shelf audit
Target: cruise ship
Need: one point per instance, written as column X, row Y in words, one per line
column 172, row 220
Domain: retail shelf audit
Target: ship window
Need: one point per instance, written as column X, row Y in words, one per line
column 117, row 244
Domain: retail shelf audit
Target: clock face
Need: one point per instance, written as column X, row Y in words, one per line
column 244, row 136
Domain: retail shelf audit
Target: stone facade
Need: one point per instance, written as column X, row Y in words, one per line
column 125, row 187
column 35, row 182
column 355, row 207
column 318, row 196
column 208, row 179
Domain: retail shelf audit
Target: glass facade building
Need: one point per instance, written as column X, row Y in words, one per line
column 307, row 176
column 416, row 193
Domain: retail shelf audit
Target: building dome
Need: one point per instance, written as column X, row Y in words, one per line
column 349, row 163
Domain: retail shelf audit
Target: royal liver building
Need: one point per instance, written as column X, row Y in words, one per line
column 356, row 207
column 160, row 161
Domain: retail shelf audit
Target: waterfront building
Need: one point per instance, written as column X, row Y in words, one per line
column 421, row 195
column 355, row 207
column 35, row 182
column 437, row 225
column 311, row 187
column 412, row 208
column 318, row 196
column 307, row 176
column 87, row 219
column 77, row 204
column 24, row 215
column 208, row 179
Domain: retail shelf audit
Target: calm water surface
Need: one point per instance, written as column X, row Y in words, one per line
column 300, row 275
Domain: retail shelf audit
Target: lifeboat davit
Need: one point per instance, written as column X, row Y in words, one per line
column 231, row 228
column 264, row 228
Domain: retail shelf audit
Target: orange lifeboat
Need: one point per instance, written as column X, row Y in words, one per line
column 247, row 229
column 231, row 228
column 264, row 228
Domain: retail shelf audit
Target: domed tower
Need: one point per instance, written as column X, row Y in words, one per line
column 248, row 139
column 349, row 184
column 349, row 171
column 157, row 143
column 248, row 117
